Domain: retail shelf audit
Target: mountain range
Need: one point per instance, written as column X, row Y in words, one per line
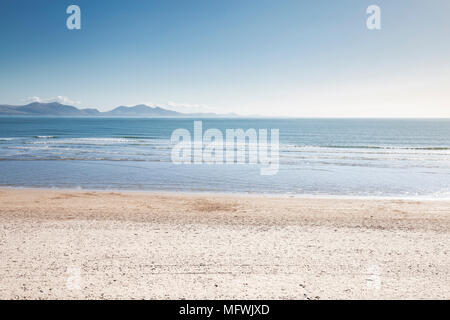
column 58, row 109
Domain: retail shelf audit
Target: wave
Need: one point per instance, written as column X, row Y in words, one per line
column 385, row 147
column 99, row 159
column 87, row 141
column 138, row 137
column 142, row 140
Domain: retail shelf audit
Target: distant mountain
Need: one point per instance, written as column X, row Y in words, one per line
column 57, row 109
column 46, row 109
column 90, row 112
column 142, row 110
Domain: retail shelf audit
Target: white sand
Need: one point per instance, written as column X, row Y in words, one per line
column 158, row 246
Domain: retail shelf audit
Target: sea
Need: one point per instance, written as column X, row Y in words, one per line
column 399, row 158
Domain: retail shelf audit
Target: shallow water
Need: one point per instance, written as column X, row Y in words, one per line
column 344, row 157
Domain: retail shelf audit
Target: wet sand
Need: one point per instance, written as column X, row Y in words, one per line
column 116, row 245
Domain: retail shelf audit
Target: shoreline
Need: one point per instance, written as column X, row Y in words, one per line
column 141, row 245
column 237, row 194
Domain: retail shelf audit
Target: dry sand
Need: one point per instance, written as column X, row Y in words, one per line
column 78, row 245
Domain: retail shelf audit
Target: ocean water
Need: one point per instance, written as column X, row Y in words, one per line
column 325, row 157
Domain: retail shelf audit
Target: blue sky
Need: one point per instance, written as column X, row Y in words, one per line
column 281, row 58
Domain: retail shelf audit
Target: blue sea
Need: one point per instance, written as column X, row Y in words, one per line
column 318, row 157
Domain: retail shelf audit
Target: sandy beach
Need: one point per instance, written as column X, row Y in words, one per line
column 95, row 245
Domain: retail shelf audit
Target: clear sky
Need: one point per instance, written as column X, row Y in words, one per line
column 282, row 58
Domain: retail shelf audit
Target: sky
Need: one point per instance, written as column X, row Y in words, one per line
column 287, row 58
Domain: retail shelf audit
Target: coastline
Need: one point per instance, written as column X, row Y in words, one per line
column 424, row 198
column 163, row 245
